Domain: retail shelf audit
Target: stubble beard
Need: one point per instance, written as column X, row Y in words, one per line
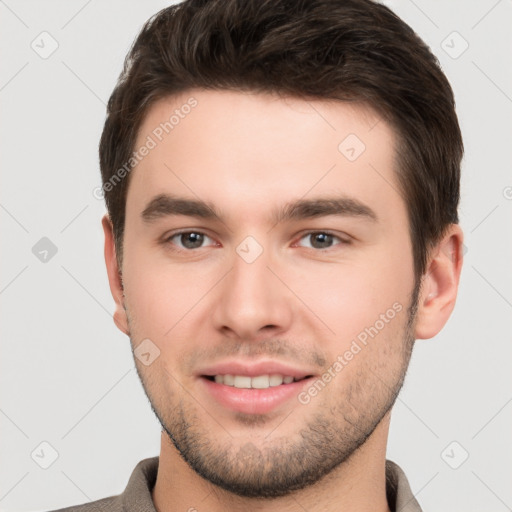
column 285, row 464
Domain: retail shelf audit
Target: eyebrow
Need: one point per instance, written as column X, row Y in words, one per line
column 165, row 205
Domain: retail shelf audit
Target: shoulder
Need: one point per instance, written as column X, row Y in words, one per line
column 111, row 504
column 398, row 492
column 135, row 497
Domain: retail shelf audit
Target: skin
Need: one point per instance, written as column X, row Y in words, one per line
column 248, row 154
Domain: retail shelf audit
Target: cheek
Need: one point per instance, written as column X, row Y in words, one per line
column 160, row 295
column 349, row 297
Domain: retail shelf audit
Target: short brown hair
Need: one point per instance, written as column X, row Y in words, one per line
column 348, row 50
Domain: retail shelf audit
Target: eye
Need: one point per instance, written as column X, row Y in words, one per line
column 321, row 240
column 189, row 240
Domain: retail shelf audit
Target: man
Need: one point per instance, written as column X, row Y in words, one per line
column 282, row 183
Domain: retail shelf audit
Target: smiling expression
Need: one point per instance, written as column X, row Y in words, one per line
column 263, row 235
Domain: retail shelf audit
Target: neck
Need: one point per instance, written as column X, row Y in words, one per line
column 358, row 485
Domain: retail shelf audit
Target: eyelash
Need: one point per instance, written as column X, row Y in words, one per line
column 167, row 240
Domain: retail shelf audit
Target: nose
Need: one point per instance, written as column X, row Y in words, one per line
column 252, row 302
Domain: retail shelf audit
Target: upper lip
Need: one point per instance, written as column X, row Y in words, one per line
column 253, row 369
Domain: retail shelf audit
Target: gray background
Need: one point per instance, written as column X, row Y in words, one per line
column 67, row 374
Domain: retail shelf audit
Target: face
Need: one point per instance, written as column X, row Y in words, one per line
column 267, row 264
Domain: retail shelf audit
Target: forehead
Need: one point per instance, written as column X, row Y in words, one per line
column 252, row 150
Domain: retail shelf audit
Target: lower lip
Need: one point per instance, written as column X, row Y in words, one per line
column 253, row 401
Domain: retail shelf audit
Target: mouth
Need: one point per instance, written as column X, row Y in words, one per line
column 264, row 381
column 253, row 388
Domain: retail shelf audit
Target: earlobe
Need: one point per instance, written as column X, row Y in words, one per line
column 114, row 276
column 440, row 284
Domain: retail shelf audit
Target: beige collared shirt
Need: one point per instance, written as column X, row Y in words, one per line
column 137, row 495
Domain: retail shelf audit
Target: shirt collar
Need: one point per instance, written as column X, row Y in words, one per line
column 137, row 495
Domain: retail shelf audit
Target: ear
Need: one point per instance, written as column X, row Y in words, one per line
column 440, row 284
column 114, row 276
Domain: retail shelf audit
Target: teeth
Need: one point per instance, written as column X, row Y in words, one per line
column 275, row 380
column 242, row 381
column 258, row 382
